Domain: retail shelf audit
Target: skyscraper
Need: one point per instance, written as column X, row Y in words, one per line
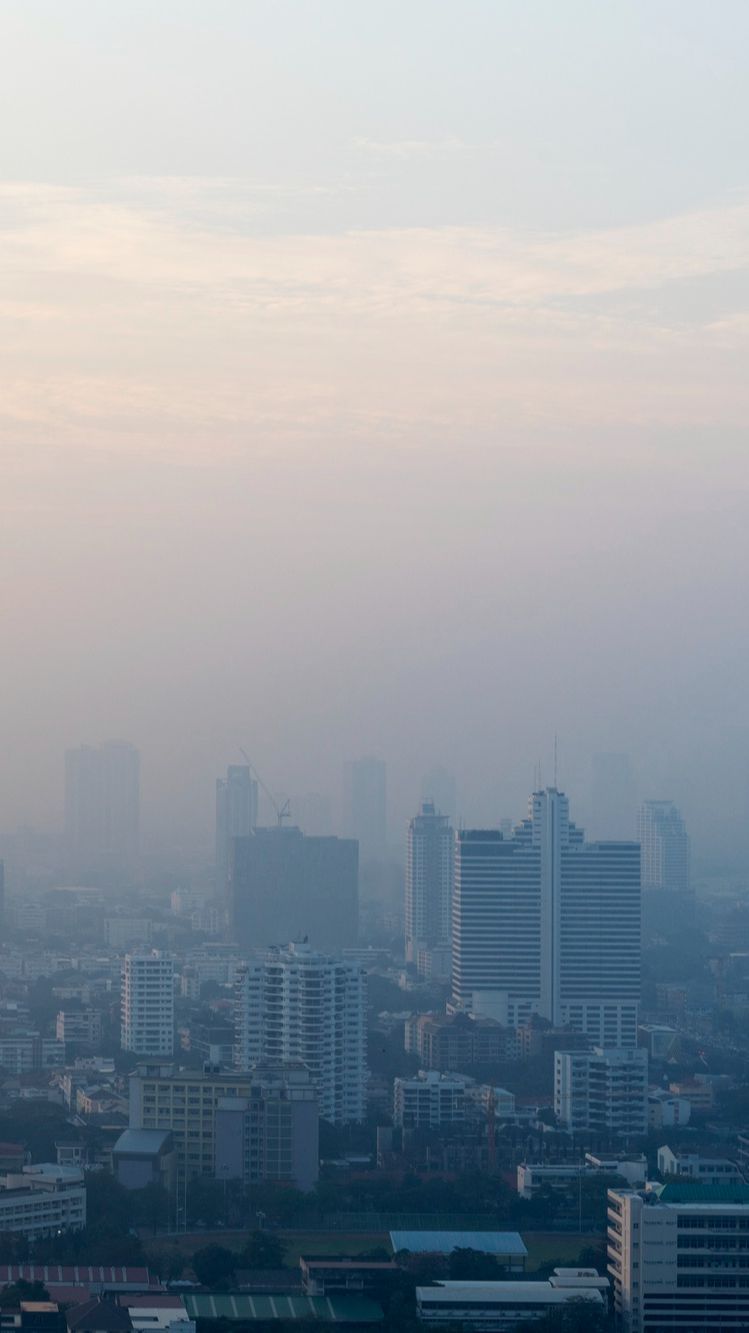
column 236, row 815
column 429, row 882
column 102, row 808
column 147, row 1004
column 546, row 923
column 283, row 885
column 613, row 797
column 365, row 806
column 296, row 1004
column 665, row 847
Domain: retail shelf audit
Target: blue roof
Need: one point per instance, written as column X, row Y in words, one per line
column 444, row 1242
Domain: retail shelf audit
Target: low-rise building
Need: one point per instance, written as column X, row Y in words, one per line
column 504, row 1305
column 533, row 1177
column 79, row 1026
column 42, row 1200
column 28, row 1052
column 701, row 1096
column 457, row 1041
column 665, row 1111
column 429, row 1100
column 703, row 1170
column 143, row 1157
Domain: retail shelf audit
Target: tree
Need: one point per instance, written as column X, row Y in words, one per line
column 468, row 1265
column 152, row 1206
column 213, row 1266
column 22, row 1290
column 263, row 1250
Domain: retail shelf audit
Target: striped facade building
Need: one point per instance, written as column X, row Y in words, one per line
column 546, row 923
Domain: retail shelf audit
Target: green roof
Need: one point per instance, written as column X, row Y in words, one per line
column 324, row 1309
column 678, row 1192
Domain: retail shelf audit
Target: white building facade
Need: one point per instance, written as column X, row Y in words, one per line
column 295, row 1004
column 42, row 1200
column 545, row 923
column 429, row 1101
column 665, row 847
column 147, row 1004
column 603, row 1090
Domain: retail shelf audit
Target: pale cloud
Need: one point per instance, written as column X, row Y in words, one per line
column 138, row 325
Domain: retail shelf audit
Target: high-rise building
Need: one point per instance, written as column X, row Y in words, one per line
column 147, row 1004
column 295, row 1004
column 438, row 786
column 283, row 885
column 272, row 1134
column 365, row 806
column 677, row 1258
column 236, row 815
column 602, row 1091
column 546, row 923
column 429, row 882
column 102, row 808
column 665, row 847
column 613, row 797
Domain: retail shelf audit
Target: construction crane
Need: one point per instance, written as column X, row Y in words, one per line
column 282, row 812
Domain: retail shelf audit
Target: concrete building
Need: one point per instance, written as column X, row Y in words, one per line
column 147, row 1004
column 677, row 1259
column 429, row 884
column 603, row 1090
column 273, row 1133
column 457, row 1041
column 702, row 1170
column 365, row 806
column 284, row 885
column 545, row 923
column 533, row 1177
column 429, row 1101
column 508, row 1305
column 42, row 1200
column 27, row 1052
column 184, row 1102
column 298, row 1005
column 143, row 1157
column 79, row 1027
column 236, row 816
column 665, row 847
column 102, row 808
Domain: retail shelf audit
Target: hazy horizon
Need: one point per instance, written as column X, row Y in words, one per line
column 374, row 382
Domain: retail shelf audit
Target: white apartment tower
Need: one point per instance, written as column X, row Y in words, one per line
column 429, row 882
column 665, row 847
column 147, row 1004
column 602, row 1091
column 294, row 1004
column 546, row 923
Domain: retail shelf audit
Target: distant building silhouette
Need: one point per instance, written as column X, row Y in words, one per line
column 102, row 809
column 365, row 806
column 665, row 847
column 284, row 885
column 236, row 815
column 429, row 882
column 439, row 787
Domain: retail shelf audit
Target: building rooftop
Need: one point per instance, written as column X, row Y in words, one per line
column 325, row 1309
column 510, row 1293
column 142, row 1141
column 444, row 1242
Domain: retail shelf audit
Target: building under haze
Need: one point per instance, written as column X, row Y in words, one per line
column 665, row 847
column 429, row 884
column 365, row 806
column 147, row 1004
column 546, row 923
column 438, row 786
column 284, row 885
column 236, row 815
column 297, row 1004
column 613, row 797
column 102, row 809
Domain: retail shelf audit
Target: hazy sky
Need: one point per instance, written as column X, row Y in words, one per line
column 374, row 379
